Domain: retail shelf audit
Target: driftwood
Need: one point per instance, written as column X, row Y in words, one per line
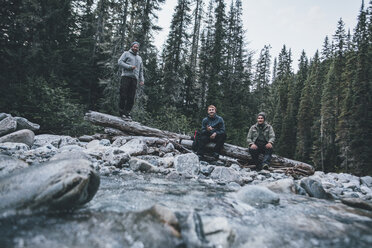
column 231, row 153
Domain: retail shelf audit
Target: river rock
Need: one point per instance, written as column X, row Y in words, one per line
column 367, row 180
column 135, row 147
column 4, row 115
column 77, row 154
column 24, row 136
column 282, row 186
column 13, row 148
column 142, row 165
column 40, row 154
column 86, row 138
column 9, row 164
column 61, row 184
column 7, row 125
column 357, row 202
column 225, row 174
column 56, row 140
column 314, row 188
column 257, row 196
column 23, row 123
column 116, row 157
column 218, row 231
column 187, row 164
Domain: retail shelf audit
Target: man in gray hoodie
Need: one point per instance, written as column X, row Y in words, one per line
column 131, row 74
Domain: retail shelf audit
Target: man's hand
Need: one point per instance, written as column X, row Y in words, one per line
column 269, row 146
column 213, row 136
column 209, row 128
column 254, row 147
column 133, row 67
column 141, row 83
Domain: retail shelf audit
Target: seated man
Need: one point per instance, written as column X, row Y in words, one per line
column 260, row 140
column 213, row 130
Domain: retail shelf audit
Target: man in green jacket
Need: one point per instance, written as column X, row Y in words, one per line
column 260, row 140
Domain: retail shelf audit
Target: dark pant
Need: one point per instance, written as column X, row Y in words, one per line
column 205, row 139
column 255, row 153
column 128, row 86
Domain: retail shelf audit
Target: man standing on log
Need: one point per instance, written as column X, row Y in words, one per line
column 260, row 140
column 131, row 74
column 213, row 130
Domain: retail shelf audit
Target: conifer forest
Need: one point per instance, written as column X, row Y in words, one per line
column 58, row 59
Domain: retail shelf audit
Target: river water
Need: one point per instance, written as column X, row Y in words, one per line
column 114, row 218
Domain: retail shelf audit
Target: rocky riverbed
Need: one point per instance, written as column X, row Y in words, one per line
column 133, row 191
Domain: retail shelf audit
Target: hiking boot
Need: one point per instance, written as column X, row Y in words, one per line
column 216, row 155
column 265, row 166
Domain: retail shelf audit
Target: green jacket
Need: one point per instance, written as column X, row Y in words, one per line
column 268, row 132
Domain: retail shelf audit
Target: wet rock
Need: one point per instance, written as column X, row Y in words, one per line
column 314, row 189
column 358, row 203
column 61, row 184
column 9, row 164
column 257, row 196
column 281, row 186
column 23, row 123
column 7, row 125
column 187, row 164
column 225, row 174
column 135, row 147
column 367, row 180
column 218, row 231
column 22, row 136
column 142, row 165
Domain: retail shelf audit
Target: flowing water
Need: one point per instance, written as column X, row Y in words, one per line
column 112, row 219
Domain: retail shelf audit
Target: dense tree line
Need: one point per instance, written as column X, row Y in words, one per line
column 59, row 59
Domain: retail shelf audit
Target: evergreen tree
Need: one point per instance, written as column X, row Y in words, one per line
column 262, row 79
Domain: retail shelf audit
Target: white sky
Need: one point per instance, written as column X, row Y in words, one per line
column 299, row 24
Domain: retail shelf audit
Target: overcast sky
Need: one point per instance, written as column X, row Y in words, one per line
column 299, row 24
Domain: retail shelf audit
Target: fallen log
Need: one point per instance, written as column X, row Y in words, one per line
column 183, row 143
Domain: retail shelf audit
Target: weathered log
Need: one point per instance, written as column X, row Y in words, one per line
column 130, row 127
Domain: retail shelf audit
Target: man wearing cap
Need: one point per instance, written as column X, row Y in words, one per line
column 260, row 140
column 213, row 130
column 131, row 74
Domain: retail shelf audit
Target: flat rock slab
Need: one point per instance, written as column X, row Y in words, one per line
column 24, row 136
column 62, row 184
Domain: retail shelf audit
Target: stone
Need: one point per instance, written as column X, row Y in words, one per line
column 235, row 167
column 24, row 136
column 367, row 180
column 282, row 186
column 187, row 164
column 86, row 138
column 358, row 203
column 23, row 123
column 56, row 140
column 166, row 162
column 61, row 184
column 4, row 115
column 78, row 154
column 218, row 231
column 116, row 157
column 7, row 125
column 225, row 174
column 314, row 188
column 119, row 141
column 257, row 196
column 9, row 164
column 12, row 148
column 135, row 147
column 206, row 169
column 168, row 148
column 142, row 165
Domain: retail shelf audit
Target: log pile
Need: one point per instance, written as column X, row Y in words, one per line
column 116, row 126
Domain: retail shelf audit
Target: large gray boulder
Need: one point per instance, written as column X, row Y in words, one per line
column 56, row 140
column 62, row 184
column 23, row 123
column 135, row 147
column 315, row 189
column 4, row 115
column 187, row 164
column 225, row 174
column 7, row 125
column 24, row 136
column 9, row 164
column 257, row 196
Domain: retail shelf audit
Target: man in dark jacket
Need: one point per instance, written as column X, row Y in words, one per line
column 131, row 74
column 213, row 130
column 260, row 140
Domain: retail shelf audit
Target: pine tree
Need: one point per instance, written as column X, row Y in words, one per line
column 262, row 79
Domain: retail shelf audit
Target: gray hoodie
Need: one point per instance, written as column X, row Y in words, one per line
column 129, row 59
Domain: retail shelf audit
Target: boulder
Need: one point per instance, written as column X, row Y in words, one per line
column 56, row 140
column 116, row 157
column 9, row 164
column 86, row 138
column 12, row 148
column 314, row 189
column 7, row 125
column 142, row 165
column 357, row 202
column 257, row 196
column 23, row 123
column 61, row 184
column 24, row 136
column 282, row 186
column 187, row 164
column 225, row 174
column 135, row 147
column 4, row 115
column 78, row 154
column 367, row 180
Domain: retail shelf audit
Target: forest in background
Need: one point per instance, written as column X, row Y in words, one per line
column 59, row 60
